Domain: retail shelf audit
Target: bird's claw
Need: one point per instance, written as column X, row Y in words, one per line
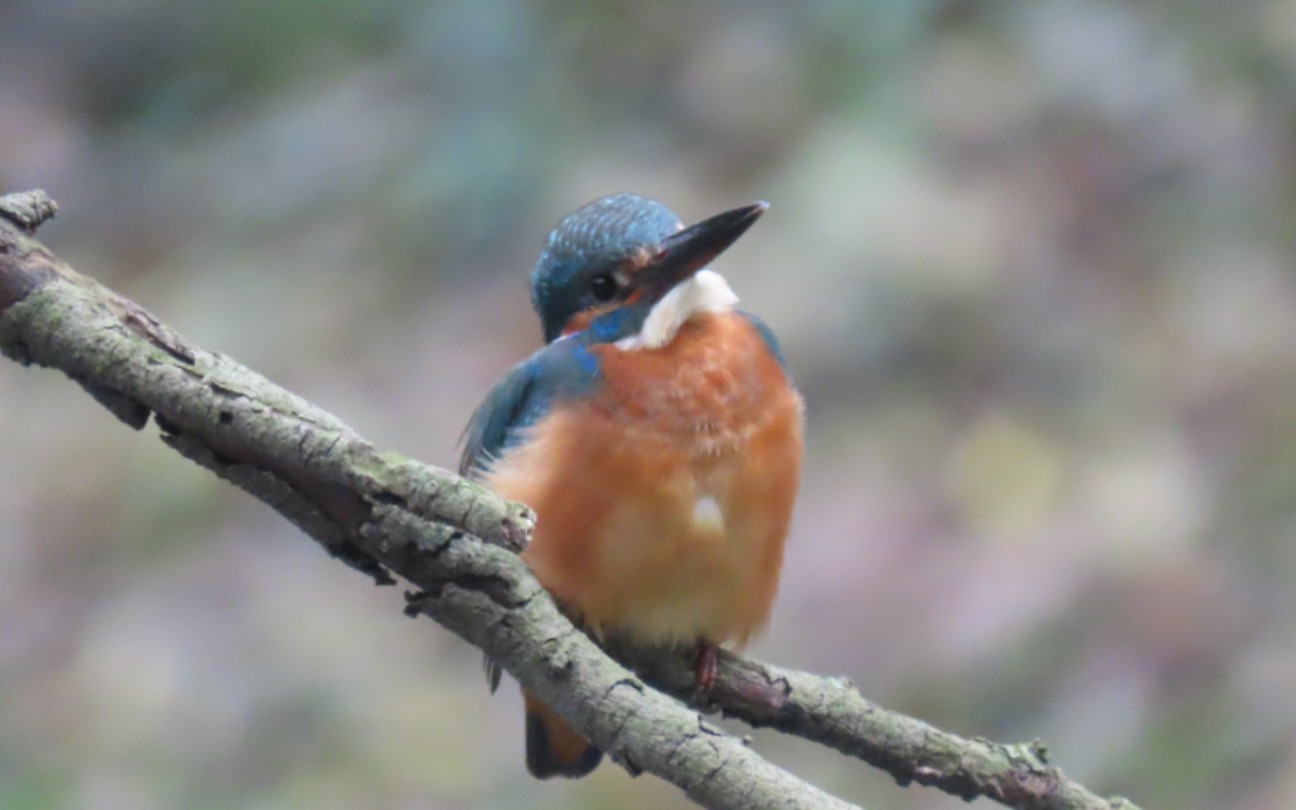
column 705, row 668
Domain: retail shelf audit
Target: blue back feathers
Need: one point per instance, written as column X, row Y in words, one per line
column 767, row 335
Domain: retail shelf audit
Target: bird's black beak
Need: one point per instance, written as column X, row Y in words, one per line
column 685, row 252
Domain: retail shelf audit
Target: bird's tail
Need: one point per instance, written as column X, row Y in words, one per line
column 554, row 748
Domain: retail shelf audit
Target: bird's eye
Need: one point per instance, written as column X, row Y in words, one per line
column 603, row 287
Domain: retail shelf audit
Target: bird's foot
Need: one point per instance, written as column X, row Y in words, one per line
column 704, row 668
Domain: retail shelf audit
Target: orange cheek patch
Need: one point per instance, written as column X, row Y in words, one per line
column 578, row 322
column 582, row 320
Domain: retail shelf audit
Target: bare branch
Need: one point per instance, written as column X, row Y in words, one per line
column 831, row 711
column 385, row 514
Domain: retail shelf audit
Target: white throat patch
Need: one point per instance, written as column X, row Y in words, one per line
column 704, row 291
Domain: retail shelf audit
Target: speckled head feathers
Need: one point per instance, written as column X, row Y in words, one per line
column 594, row 239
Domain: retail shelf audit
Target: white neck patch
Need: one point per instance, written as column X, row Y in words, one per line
column 704, row 291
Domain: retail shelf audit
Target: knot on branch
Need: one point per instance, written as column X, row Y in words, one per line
column 28, row 209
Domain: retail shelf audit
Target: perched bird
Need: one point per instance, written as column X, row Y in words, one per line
column 656, row 435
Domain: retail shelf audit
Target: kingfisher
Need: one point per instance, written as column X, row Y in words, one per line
column 657, row 436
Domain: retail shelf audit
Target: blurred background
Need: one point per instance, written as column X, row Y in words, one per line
column 1031, row 265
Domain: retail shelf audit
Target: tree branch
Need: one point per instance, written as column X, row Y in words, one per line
column 383, row 513
column 832, row 712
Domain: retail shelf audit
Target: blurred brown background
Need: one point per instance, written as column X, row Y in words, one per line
column 1031, row 264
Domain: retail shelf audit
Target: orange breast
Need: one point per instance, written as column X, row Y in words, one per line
column 663, row 501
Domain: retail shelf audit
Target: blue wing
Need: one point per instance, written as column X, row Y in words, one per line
column 488, row 430
column 767, row 335
column 561, row 370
